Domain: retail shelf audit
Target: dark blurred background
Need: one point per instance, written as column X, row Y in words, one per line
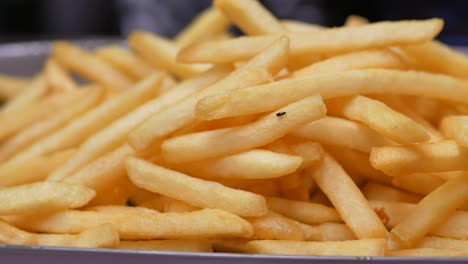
column 22, row 20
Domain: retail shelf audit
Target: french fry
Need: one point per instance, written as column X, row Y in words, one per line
column 198, row 224
column 442, row 243
column 250, row 16
column 364, row 247
column 31, row 93
column 420, row 183
column 428, row 252
column 355, row 21
column 342, row 132
column 311, row 152
column 246, row 100
column 299, row 26
column 89, row 66
column 252, row 164
column 43, row 196
column 260, row 69
column 424, row 157
column 161, row 54
column 102, row 236
column 31, row 170
column 305, row 212
column 57, row 78
column 274, row 226
column 157, row 203
column 354, row 61
column 120, row 209
column 433, row 210
column 334, row 232
column 56, row 121
column 348, row 200
column 335, row 40
column 125, row 61
column 375, row 191
column 75, row 132
column 456, row 127
column 12, row 86
column 182, row 187
column 187, row 148
column 12, row 235
column 380, row 118
column 176, row 206
column 209, row 23
column 167, row 245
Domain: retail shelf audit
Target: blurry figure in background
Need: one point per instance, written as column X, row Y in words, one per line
column 26, row 19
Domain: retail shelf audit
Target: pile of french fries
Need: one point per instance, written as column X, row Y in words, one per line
column 292, row 139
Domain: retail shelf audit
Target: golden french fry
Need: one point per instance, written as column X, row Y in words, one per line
column 424, row 157
column 12, row 86
column 353, row 61
column 348, row 200
column 176, row 206
column 31, row 170
column 334, row 40
column 209, row 23
column 433, row 210
column 420, row 183
column 161, row 53
column 305, row 212
column 42, row 197
column 182, row 187
column 12, row 235
column 250, row 16
column 30, row 94
column 269, row 97
column 102, row 236
column 456, row 127
column 334, row 232
column 375, row 191
column 428, row 252
column 354, row 21
column 56, row 121
column 380, row 118
column 198, row 224
column 442, row 243
column 125, row 61
column 342, row 132
column 75, row 132
column 260, row 69
column 274, row 226
column 89, row 66
column 57, row 78
column 204, row 145
column 168, row 245
column 364, row 247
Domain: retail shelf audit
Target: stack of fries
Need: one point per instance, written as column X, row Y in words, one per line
column 293, row 139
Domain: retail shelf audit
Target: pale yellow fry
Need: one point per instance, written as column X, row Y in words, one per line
column 206, row 223
column 428, row 252
column 354, row 21
column 260, row 69
column 274, row 226
column 433, row 210
column 371, row 81
column 342, row 132
column 364, row 247
column 348, row 200
column 11, row 86
column 375, row 191
column 196, row 192
column 435, row 56
column 334, row 232
column 356, row 162
column 31, row 170
column 380, row 118
column 211, row 22
column 250, row 16
column 299, row 26
column 89, row 66
column 455, row 127
column 30, row 94
column 353, row 61
column 442, row 243
column 252, row 164
column 167, row 245
column 43, row 197
column 328, row 41
column 420, row 183
column 305, row 212
column 102, row 236
column 267, row 129
column 161, row 53
column 57, row 120
column 125, row 61
column 75, row 132
column 14, row 236
column 424, row 157
column 176, row 206
column 311, row 152
column 116, row 133
column 57, row 78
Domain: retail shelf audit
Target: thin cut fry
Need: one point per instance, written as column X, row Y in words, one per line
column 442, row 243
column 57, row 78
column 168, row 245
column 428, row 252
column 456, row 127
column 335, row 232
column 14, row 236
column 274, row 226
column 375, row 191
column 102, row 236
column 31, row 93
column 420, row 183
column 12, row 86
